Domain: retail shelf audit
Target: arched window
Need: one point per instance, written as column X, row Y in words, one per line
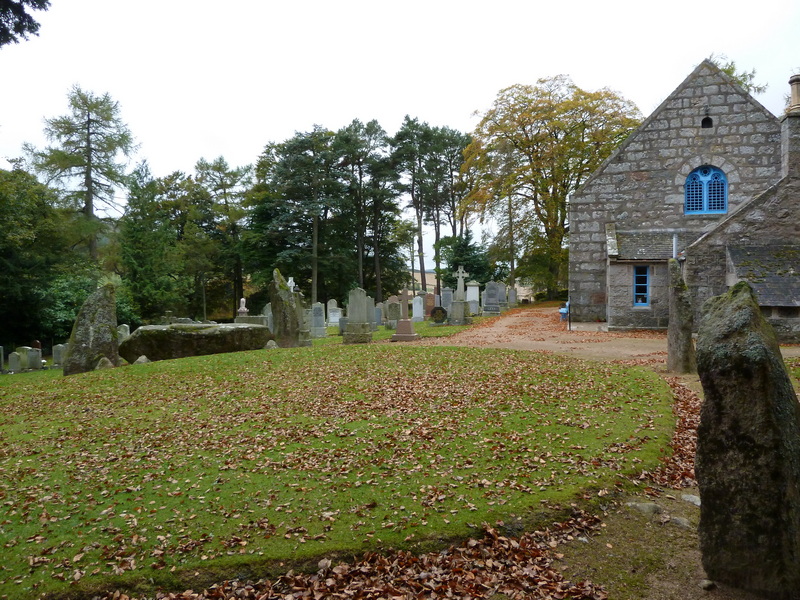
column 706, row 191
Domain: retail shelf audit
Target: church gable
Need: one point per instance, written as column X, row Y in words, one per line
column 708, row 132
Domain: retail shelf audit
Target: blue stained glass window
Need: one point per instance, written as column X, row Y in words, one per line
column 706, row 191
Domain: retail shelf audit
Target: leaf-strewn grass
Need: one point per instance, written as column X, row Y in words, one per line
column 229, row 462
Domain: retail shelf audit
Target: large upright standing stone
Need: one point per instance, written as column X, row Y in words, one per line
column 748, row 451
column 285, row 321
column 94, row 334
column 680, row 346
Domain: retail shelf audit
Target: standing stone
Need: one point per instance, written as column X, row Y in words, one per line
column 491, row 299
column 285, row 321
column 680, row 346
column 748, row 451
column 447, row 298
column 359, row 328
column 405, row 326
column 318, row 328
column 94, row 334
column 473, row 297
column 457, row 313
column 123, row 332
column 243, row 310
column 14, row 363
column 418, row 307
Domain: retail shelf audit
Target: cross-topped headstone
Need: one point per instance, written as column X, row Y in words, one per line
column 462, row 275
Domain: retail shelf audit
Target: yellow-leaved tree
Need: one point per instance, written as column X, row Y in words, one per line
column 534, row 147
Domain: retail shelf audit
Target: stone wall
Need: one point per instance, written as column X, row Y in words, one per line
column 770, row 219
column 641, row 184
column 622, row 314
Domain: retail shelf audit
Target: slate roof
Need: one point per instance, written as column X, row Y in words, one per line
column 649, row 245
column 772, row 271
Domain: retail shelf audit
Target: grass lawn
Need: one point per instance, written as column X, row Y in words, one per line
column 250, row 463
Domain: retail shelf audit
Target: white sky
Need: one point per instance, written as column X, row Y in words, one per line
column 196, row 78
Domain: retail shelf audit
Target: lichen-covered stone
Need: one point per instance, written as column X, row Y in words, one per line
column 163, row 342
column 94, row 334
column 681, row 356
column 748, row 451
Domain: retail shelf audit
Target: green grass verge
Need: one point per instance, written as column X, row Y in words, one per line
column 249, row 462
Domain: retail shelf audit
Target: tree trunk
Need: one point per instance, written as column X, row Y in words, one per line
column 314, row 257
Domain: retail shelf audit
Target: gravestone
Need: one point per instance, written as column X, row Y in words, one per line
column 512, row 297
column 318, row 327
column 243, row 310
column 285, row 321
column 58, row 354
column 94, row 334
column 447, row 298
column 333, row 312
column 371, row 313
column 35, row 359
column 405, row 326
column 304, row 322
column 458, row 308
column 680, row 346
column 430, row 302
column 748, row 443
column 502, row 298
column 290, row 284
column 392, row 312
column 491, row 299
column 123, row 331
column 473, row 297
column 378, row 316
column 418, row 307
column 23, row 356
column 14, row 362
column 342, row 325
column 439, row 315
column 359, row 328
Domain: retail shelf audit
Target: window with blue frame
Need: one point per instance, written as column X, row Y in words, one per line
column 641, row 286
column 706, row 191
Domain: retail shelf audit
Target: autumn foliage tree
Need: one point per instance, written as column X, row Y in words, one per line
column 533, row 148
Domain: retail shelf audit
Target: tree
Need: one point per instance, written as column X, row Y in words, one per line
column 227, row 187
column 16, row 23
column 746, row 79
column 531, row 150
column 463, row 251
column 89, row 141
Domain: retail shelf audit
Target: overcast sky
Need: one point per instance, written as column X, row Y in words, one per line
column 196, row 78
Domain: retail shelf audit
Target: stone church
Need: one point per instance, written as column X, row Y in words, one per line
column 711, row 178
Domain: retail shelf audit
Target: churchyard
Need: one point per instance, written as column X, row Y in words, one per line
column 178, row 473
